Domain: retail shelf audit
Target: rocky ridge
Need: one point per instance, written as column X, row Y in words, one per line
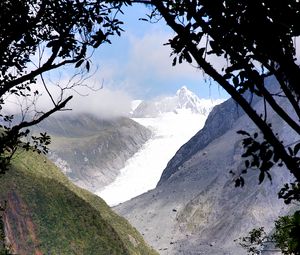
column 195, row 208
column 91, row 151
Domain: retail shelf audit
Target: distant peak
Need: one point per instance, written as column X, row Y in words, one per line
column 184, row 99
column 183, row 90
column 184, row 94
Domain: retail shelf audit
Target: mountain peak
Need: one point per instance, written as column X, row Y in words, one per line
column 184, row 99
column 184, row 91
column 187, row 99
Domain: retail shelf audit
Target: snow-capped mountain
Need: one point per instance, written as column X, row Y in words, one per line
column 184, row 99
column 173, row 121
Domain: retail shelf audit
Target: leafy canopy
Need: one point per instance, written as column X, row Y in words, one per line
column 36, row 37
column 254, row 40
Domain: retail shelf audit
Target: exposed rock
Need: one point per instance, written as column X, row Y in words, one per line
column 91, row 151
column 211, row 213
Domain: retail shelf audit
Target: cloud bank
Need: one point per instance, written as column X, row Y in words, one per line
column 104, row 103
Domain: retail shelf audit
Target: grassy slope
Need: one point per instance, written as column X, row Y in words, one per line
column 47, row 214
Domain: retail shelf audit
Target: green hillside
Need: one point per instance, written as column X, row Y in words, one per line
column 47, row 214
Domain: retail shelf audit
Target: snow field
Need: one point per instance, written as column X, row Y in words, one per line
column 142, row 172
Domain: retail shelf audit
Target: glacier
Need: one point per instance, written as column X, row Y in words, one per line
column 173, row 121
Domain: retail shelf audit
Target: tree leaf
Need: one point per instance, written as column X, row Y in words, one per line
column 78, row 64
column 87, row 65
column 296, row 148
column 242, row 132
column 261, row 177
column 291, row 151
column 174, row 61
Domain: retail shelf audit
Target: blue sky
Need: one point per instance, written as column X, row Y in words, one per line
column 139, row 64
column 135, row 66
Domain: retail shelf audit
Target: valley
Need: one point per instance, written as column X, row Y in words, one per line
column 89, row 150
column 121, row 158
column 166, row 170
column 195, row 208
column 143, row 170
column 105, row 151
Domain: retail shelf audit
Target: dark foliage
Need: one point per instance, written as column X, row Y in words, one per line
column 256, row 40
column 254, row 242
column 39, row 36
column 284, row 237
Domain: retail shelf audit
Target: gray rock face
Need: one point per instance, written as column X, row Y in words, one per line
column 195, row 208
column 91, row 151
column 220, row 120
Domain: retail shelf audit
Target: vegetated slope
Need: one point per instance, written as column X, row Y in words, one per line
column 195, row 208
column 47, row 214
column 91, row 151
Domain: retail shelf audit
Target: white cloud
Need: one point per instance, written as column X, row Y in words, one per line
column 147, row 65
column 103, row 103
column 148, row 56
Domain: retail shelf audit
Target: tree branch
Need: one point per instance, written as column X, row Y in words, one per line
column 263, row 126
column 272, row 102
column 26, row 124
column 48, row 66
